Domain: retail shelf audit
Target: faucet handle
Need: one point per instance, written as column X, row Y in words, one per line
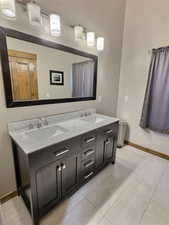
column 39, row 123
column 31, row 126
column 44, row 121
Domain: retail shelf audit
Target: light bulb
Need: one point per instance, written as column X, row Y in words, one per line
column 7, row 8
column 90, row 39
column 79, row 33
column 100, row 43
column 55, row 26
column 34, row 13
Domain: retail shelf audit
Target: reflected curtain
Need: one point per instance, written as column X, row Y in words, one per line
column 155, row 113
column 82, row 79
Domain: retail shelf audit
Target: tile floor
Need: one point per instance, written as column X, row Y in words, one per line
column 134, row 191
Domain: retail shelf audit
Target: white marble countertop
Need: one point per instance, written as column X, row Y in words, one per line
column 59, row 129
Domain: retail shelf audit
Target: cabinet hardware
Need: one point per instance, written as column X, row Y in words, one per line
column 61, row 153
column 90, row 140
column 109, row 131
column 59, row 168
column 89, row 152
column 89, row 164
column 89, row 175
column 63, row 166
column 107, row 142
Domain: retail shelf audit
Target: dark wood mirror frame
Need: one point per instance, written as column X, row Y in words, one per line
column 6, row 32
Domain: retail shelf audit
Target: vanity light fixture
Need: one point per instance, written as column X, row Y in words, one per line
column 34, row 13
column 100, row 43
column 90, row 39
column 55, row 26
column 7, row 8
column 79, row 33
column 45, row 22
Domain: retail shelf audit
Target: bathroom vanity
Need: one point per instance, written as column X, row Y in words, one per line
column 55, row 156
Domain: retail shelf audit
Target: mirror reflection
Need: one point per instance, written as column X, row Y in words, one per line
column 38, row 72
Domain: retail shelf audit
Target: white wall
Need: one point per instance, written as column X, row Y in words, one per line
column 106, row 19
column 146, row 27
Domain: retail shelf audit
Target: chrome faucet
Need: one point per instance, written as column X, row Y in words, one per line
column 39, row 123
column 42, row 122
column 31, row 126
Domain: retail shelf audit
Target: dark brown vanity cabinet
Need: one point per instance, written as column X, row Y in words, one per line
column 57, row 171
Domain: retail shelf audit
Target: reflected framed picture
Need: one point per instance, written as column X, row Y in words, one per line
column 56, row 77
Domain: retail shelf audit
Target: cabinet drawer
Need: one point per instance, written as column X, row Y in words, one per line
column 55, row 152
column 90, row 163
column 88, row 139
column 89, row 153
column 110, row 130
column 88, row 174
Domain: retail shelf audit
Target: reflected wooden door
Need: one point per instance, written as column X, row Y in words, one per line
column 23, row 67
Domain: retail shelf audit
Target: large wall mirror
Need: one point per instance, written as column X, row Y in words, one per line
column 38, row 71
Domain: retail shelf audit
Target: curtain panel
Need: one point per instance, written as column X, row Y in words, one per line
column 82, row 79
column 155, row 113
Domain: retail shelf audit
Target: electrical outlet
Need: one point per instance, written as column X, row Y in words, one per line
column 99, row 98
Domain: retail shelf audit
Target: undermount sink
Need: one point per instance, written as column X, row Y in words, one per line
column 73, row 124
column 45, row 132
column 93, row 119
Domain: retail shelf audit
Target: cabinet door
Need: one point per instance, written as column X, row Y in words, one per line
column 48, row 185
column 100, row 151
column 108, row 149
column 70, row 169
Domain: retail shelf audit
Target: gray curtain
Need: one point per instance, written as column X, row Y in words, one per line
column 82, row 79
column 155, row 114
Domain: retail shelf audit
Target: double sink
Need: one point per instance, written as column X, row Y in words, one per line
column 52, row 131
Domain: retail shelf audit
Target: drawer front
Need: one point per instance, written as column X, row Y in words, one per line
column 89, row 153
column 88, row 174
column 90, row 163
column 55, row 152
column 110, row 130
column 88, row 139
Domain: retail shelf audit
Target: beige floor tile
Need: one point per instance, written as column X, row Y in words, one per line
column 105, row 222
column 82, row 214
column 129, row 207
column 155, row 215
